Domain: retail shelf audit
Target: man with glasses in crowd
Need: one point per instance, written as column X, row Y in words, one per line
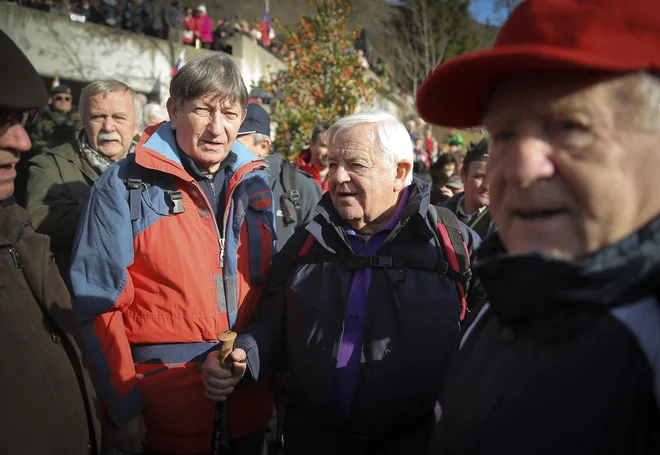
column 47, row 395
column 57, row 124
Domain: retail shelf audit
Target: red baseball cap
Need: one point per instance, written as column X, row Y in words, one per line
column 600, row 35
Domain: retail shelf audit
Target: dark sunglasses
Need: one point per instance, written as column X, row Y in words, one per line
column 25, row 118
column 62, row 98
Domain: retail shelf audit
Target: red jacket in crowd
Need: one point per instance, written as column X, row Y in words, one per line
column 304, row 162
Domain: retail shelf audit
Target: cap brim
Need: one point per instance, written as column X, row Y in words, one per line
column 456, row 92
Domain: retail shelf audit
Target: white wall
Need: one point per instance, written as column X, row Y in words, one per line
column 86, row 52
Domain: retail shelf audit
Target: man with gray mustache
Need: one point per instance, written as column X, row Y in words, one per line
column 59, row 180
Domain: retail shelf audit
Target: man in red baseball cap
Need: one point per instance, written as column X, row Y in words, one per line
column 565, row 359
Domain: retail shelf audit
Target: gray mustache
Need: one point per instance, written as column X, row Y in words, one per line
column 109, row 137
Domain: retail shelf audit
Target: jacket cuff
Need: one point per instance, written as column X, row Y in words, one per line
column 127, row 407
column 252, row 370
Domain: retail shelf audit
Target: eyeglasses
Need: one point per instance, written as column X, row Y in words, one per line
column 25, row 118
column 62, row 98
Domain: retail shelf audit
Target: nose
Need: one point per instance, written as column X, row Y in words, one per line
column 16, row 138
column 109, row 125
column 339, row 175
column 529, row 159
column 216, row 124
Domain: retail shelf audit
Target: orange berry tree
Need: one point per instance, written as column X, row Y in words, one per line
column 324, row 79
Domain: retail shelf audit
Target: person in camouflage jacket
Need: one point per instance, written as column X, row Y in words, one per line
column 57, row 123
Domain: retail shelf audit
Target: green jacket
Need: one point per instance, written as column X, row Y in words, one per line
column 482, row 224
column 58, row 187
column 458, row 137
column 52, row 129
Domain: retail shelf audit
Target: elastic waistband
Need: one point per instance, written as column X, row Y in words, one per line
column 172, row 353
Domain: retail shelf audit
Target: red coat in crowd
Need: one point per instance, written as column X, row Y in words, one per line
column 304, row 162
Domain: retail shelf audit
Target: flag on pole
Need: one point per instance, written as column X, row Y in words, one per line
column 265, row 26
column 179, row 63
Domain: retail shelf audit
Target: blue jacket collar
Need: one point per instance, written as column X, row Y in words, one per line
column 163, row 141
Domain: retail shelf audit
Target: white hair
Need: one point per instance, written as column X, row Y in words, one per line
column 153, row 110
column 391, row 136
column 105, row 87
column 646, row 93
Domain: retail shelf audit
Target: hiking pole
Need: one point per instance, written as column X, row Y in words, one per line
column 219, row 442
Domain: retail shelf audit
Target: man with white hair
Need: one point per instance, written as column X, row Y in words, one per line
column 60, row 179
column 357, row 301
column 565, row 357
column 153, row 114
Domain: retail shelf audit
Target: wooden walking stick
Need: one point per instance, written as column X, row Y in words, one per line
column 219, row 441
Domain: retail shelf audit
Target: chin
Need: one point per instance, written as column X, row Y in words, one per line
column 6, row 190
column 555, row 248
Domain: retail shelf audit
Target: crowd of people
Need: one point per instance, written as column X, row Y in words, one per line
column 190, row 25
column 172, row 287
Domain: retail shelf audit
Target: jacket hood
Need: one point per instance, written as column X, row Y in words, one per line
column 527, row 286
column 158, row 150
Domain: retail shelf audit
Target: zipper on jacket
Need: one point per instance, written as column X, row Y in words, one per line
column 13, row 248
column 221, row 240
column 225, row 219
column 16, row 257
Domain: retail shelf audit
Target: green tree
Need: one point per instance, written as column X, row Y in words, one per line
column 324, row 80
column 424, row 33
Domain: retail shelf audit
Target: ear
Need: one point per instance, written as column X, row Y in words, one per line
column 173, row 110
column 265, row 148
column 464, row 173
column 403, row 169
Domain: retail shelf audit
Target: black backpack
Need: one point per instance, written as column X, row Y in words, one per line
column 449, row 236
column 288, row 177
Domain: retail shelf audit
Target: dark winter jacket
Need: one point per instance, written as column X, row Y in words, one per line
column 58, row 188
column 90, row 12
column 46, row 396
column 172, row 17
column 411, row 333
column 137, row 16
column 564, row 360
column 481, row 223
column 286, row 215
column 111, row 13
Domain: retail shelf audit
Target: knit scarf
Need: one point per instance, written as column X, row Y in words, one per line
column 98, row 161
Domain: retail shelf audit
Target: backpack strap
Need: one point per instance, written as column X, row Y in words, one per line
column 382, row 262
column 288, row 177
column 134, row 186
column 456, row 251
column 256, row 255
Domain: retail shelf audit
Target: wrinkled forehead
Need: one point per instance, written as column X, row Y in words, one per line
column 352, row 143
column 526, row 95
column 216, row 100
column 114, row 100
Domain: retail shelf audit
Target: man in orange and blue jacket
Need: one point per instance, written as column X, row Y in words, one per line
column 172, row 250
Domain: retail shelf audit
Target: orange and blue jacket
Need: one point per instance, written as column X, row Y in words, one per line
column 154, row 286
